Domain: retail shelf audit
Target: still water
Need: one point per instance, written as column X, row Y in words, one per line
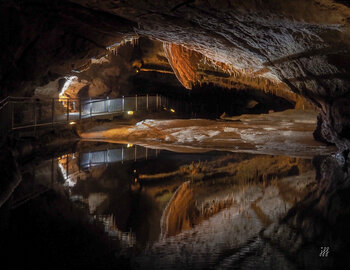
column 113, row 206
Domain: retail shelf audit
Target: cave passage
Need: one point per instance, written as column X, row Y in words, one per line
column 163, row 135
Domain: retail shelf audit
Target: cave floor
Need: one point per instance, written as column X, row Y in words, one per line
column 278, row 133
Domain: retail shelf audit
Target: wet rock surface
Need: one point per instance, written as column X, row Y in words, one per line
column 288, row 132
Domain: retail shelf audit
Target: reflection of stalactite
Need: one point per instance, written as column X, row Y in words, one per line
column 127, row 239
column 175, row 216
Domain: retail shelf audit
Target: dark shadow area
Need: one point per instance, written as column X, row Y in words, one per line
column 50, row 232
column 315, row 233
column 210, row 101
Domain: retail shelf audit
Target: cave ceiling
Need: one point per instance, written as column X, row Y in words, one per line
column 300, row 46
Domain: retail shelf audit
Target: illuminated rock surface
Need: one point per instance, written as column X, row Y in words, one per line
column 302, row 45
column 288, row 132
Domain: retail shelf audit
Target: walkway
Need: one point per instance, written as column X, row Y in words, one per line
column 18, row 113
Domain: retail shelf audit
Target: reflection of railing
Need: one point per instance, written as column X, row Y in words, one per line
column 38, row 183
column 5, row 112
column 20, row 113
column 73, row 165
column 121, row 154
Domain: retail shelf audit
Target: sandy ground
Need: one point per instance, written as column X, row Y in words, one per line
column 281, row 133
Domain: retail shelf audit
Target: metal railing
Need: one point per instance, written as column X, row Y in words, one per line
column 20, row 113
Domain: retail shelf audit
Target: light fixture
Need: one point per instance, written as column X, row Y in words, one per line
column 72, row 123
column 130, row 112
column 129, row 145
column 172, row 110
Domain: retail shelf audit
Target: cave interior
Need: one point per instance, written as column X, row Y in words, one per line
column 267, row 78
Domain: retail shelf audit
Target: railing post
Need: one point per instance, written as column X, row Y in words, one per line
column 122, row 155
column 35, row 120
column 52, row 172
column 53, row 111
column 67, row 110
column 157, row 101
column 147, row 102
column 108, row 104
column 12, row 113
column 90, row 108
column 136, row 103
column 160, row 101
column 67, row 166
column 123, row 103
column 135, row 152
column 79, row 109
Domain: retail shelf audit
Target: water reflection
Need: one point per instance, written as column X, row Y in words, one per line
column 74, row 166
column 213, row 210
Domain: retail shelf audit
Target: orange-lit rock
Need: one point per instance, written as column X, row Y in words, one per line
column 184, row 63
column 177, row 215
column 193, row 68
column 303, row 44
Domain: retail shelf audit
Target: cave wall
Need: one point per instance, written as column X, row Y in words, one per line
column 128, row 68
column 303, row 44
column 195, row 69
column 43, row 40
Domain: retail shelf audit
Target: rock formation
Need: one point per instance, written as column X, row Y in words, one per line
column 302, row 45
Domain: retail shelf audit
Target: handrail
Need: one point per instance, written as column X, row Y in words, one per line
column 5, row 100
column 9, row 110
column 34, row 98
